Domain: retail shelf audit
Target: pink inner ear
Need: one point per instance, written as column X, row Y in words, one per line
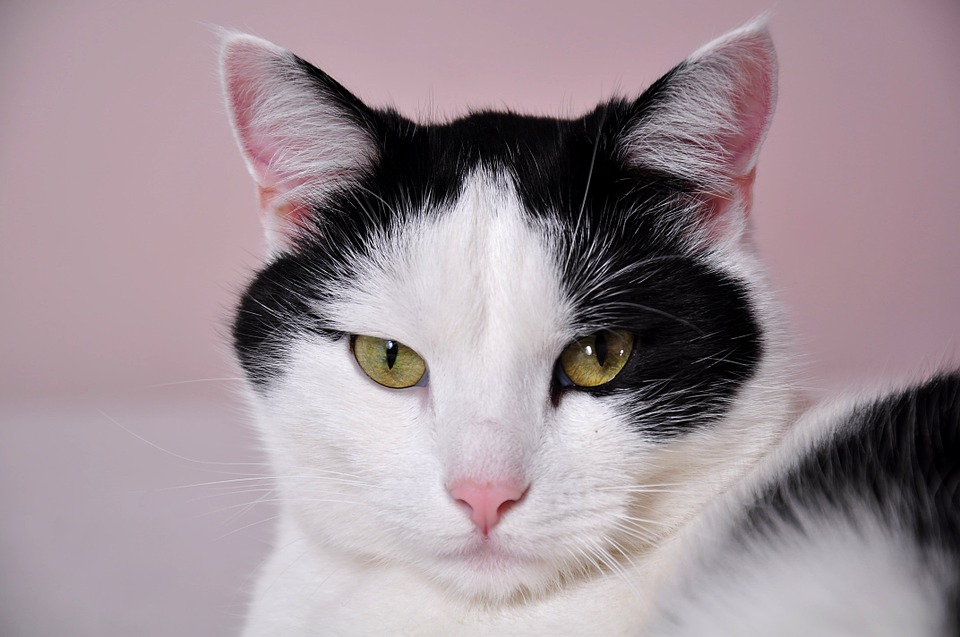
column 272, row 203
column 244, row 63
column 247, row 72
column 300, row 137
column 753, row 103
column 744, row 189
column 744, row 147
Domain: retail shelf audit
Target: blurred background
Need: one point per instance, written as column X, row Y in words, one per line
column 128, row 227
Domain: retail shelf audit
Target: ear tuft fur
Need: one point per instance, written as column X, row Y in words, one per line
column 301, row 133
column 706, row 119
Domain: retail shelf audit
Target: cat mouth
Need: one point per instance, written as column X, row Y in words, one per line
column 489, row 553
column 493, row 570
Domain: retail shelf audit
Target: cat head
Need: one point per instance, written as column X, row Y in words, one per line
column 507, row 351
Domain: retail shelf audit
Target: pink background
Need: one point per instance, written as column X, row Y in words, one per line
column 128, row 226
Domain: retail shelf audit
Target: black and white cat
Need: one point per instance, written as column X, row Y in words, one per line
column 525, row 376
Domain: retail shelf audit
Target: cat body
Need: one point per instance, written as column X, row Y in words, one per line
column 501, row 365
column 851, row 526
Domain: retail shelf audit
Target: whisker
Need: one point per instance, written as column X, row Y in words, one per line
column 593, row 161
column 633, row 518
column 637, row 532
column 171, row 453
column 247, row 526
column 196, row 380
column 239, row 514
column 286, row 500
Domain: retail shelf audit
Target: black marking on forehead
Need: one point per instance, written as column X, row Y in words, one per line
column 697, row 338
column 278, row 306
column 420, row 169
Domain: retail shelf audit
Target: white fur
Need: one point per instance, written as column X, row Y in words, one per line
column 830, row 577
column 370, row 542
column 832, row 581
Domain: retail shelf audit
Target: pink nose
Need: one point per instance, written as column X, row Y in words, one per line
column 487, row 502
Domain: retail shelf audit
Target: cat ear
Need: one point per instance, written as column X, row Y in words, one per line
column 705, row 120
column 301, row 133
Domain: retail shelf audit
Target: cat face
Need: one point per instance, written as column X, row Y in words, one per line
column 572, row 308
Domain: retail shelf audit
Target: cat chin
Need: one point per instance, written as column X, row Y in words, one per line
column 496, row 576
column 492, row 571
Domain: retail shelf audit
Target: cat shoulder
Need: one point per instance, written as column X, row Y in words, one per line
column 853, row 522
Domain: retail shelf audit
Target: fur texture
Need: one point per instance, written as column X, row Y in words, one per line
column 852, row 527
column 488, row 245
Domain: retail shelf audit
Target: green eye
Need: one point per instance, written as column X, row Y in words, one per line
column 596, row 359
column 389, row 363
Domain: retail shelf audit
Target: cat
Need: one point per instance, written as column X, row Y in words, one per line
column 518, row 375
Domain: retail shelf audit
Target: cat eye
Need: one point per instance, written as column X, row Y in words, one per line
column 596, row 359
column 388, row 362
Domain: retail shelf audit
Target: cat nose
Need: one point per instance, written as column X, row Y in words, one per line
column 487, row 502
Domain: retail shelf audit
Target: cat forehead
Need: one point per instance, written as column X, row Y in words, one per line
column 473, row 268
column 490, row 220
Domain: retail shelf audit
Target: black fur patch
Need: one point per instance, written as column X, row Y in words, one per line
column 698, row 340
column 898, row 457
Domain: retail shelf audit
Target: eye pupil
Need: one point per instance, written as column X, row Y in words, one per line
column 600, row 346
column 388, row 362
column 391, row 353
